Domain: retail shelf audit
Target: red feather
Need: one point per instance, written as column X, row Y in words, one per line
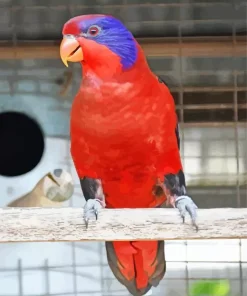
column 123, row 132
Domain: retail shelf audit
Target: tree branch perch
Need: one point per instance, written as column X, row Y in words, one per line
column 67, row 224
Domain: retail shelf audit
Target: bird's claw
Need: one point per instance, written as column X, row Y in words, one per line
column 91, row 210
column 186, row 204
column 96, row 214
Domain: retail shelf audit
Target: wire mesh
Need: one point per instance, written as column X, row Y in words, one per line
column 183, row 269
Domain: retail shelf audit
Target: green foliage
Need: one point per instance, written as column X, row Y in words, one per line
column 210, row 288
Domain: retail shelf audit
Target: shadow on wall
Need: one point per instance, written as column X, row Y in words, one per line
column 21, row 144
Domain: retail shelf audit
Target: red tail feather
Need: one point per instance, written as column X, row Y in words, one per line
column 137, row 265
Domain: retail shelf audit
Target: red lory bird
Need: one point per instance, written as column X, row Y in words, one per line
column 124, row 139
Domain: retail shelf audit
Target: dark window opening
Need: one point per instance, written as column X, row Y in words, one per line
column 21, row 144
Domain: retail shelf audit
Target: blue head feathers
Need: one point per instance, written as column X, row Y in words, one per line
column 108, row 31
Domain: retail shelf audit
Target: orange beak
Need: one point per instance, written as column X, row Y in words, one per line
column 70, row 51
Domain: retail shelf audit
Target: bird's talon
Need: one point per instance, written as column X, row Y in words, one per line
column 86, row 223
column 195, row 225
column 186, row 204
column 91, row 210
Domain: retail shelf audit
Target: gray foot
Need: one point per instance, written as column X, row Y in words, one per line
column 186, row 204
column 91, row 210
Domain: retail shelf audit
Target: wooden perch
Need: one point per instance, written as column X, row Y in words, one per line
column 66, row 224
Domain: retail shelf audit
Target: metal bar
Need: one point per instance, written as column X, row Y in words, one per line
column 186, row 89
column 187, row 269
column 210, row 106
column 116, row 291
column 146, row 22
column 73, row 248
column 20, row 282
column 241, row 269
column 13, row 47
column 129, row 4
column 101, row 267
column 72, row 244
column 198, row 278
column 235, row 101
column 145, row 40
column 196, row 72
column 152, row 48
column 195, row 89
column 43, row 268
column 213, row 124
column 181, row 88
column 47, row 277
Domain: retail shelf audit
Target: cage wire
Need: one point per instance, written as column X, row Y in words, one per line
column 210, row 96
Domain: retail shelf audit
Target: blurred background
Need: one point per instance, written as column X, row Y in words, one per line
column 199, row 48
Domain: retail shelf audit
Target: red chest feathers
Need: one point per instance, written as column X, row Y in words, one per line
column 116, row 129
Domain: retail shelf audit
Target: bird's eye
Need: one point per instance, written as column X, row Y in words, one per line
column 93, row 31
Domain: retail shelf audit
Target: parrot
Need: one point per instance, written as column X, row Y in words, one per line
column 124, row 140
column 51, row 190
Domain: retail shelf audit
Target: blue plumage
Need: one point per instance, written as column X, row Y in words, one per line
column 115, row 36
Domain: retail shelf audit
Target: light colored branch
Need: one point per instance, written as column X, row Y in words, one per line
column 66, row 224
column 155, row 47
